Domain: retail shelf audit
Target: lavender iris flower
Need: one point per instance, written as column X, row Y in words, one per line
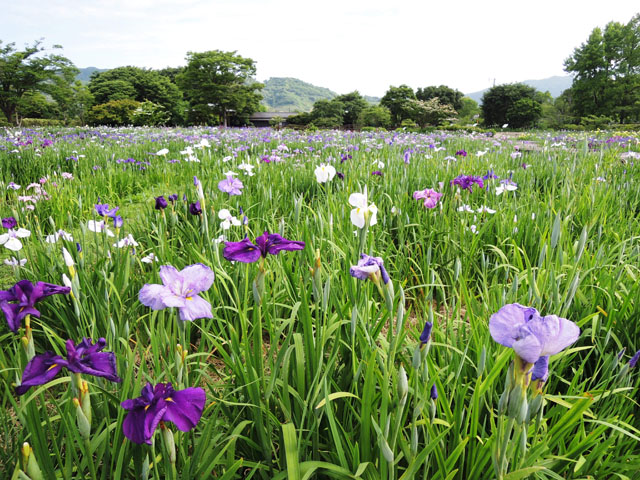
column 529, row 334
column 540, row 369
column 369, row 267
column 195, row 208
column 466, row 182
column 85, row 357
column 117, row 221
column 162, row 403
column 9, row 223
column 104, row 211
column 180, row 289
column 267, row 243
column 26, row 294
column 231, row 185
column 161, row 203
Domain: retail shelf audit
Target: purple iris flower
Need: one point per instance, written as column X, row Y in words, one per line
column 340, row 175
column 426, row 333
column 540, row 369
column 267, row 243
column 117, row 221
column 231, row 185
column 466, row 182
column 173, row 197
column 26, row 294
column 195, row 208
column 162, row 404
column 369, row 267
column 461, row 153
column 9, row 223
column 104, row 211
column 634, row 359
column 161, row 203
column 180, row 289
column 85, row 357
column 529, row 334
column 377, row 172
column 489, row 175
column 429, row 195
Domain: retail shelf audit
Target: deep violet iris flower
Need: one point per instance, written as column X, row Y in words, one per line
column 466, row 182
column 85, row 357
column 9, row 223
column 26, row 294
column 529, row 334
column 162, row 404
column 161, row 203
column 369, row 267
column 195, row 208
column 425, row 336
column 180, row 289
column 267, row 243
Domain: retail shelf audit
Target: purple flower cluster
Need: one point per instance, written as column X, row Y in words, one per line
column 85, row 357
column 25, row 295
column 267, row 243
column 466, row 182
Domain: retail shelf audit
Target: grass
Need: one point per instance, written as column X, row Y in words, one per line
column 307, row 382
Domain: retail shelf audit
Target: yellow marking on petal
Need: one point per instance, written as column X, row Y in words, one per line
column 169, row 399
column 189, row 298
column 52, row 367
column 146, row 408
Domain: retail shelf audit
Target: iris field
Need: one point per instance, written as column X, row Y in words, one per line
column 253, row 303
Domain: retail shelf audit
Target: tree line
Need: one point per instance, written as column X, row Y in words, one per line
column 217, row 87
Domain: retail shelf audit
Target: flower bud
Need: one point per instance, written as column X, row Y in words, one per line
column 515, row 402
column 84, row 427
column 85, row 400
column 29, row 463
column 170, row 444
column 403, row 385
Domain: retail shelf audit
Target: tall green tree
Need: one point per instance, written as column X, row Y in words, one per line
column 220, row 86
column 606, row 71
column 352, row 105
column 515, row 104
column 29, row 71
column 446, row 95
column 133, row 83
column 399, row 102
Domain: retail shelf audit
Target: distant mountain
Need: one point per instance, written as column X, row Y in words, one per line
column 554, row 85
column 85, row 73
column 284, row 94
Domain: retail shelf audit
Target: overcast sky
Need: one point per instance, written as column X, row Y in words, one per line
column 342, row 45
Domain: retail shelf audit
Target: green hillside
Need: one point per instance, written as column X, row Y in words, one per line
column 282, row 94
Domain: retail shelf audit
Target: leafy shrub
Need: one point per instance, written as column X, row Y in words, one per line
column 114, row 113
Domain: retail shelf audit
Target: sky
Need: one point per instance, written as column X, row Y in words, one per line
column 364, row 45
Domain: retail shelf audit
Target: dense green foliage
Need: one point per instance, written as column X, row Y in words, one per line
column 513, row 104
column 219, row 87
column 607, row 73
column 133, row 83
column 321, row 375
column 446, row 95
column 28, row 72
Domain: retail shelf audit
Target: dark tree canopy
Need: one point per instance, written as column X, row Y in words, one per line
column 29, row 71
column 606, row 71
column 514, row 104
column 133, row 83
column 446, row 95
column 219, row 86
column 399, row 102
